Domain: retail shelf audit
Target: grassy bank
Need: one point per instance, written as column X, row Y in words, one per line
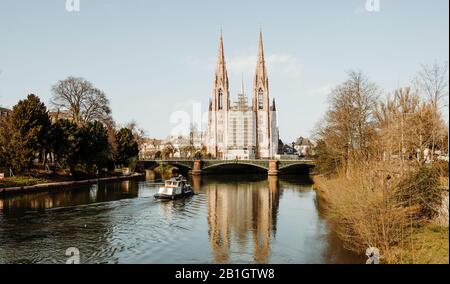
column 427, row 244
column 42, row 177
column 18, row 181
column 394, row 211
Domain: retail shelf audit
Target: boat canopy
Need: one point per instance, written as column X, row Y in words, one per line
column 172, row 182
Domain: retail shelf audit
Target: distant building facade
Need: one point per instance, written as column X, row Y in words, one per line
column 182, row 146
column 304, row 146
column 4, row 112
column 150, row 148
column 242, row 130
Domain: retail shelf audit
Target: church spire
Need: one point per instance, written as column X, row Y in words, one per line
column 221, row 70
column 242, row 84
column 221, row 94
column 261, row 72
column 221, row 50
column 261, row 82
column 260, row 46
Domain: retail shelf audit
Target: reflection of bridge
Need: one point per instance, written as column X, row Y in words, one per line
column 198, row 167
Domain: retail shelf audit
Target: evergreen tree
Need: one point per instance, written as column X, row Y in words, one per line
column 24, row 133
column 64, row 142
column 127, row 146
column 92, row 149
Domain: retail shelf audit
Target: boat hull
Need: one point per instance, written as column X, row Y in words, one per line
column 172, row 197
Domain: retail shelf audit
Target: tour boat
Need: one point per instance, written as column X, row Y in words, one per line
column 175, row 188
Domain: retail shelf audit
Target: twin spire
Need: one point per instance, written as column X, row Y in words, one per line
column 221, row 70
column 261, row 79
column 261, row 71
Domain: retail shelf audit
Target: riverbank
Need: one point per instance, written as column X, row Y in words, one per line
column 367, row 212
column 29, row 184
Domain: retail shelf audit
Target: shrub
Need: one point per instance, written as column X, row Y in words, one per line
column 441, row 167
column 132, row 163
column 421, row 188
column 364, row 209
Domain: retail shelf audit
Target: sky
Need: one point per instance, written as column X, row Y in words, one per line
column 155, row 60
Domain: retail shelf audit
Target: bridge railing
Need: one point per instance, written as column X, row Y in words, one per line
column 230, row 160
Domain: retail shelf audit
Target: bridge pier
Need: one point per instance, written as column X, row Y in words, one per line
column 149, row 174
column 273, row 168
column 197, row 168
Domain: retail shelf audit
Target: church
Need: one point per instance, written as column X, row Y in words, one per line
column 242, row 130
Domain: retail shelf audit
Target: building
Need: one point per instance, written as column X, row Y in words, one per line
column 289, row 150
column 4, row 112
column 58, row 114
column 183, row 146
column 150, row 147
column 303, row 146
column 242, row 130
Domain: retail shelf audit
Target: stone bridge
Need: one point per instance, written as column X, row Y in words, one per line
column 199, row 167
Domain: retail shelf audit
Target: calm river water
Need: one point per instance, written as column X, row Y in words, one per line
column 231, row 219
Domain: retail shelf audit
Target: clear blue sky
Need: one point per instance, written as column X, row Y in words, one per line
column 153, row 58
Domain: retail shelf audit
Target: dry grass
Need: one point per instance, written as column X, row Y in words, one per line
column 427, row 244
column 364, row 207
column 21, row 181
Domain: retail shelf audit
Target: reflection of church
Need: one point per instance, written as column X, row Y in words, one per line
column 243, row 216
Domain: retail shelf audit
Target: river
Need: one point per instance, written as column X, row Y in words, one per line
column 231, row 219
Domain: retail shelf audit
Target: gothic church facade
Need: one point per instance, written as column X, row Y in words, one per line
column 242, row 130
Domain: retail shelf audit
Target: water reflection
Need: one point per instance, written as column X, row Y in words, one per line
column 245, row 211
column 103, row 192
column 231, row 219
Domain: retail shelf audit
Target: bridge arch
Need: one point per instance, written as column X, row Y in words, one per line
column 302, row 168
column 184, row 166
column 235, row 166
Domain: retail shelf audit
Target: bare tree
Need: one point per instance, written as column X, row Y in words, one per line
column 405, row 105
column 433, row 83
column 407, row 125
column 348, row 126
column 78, row 99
